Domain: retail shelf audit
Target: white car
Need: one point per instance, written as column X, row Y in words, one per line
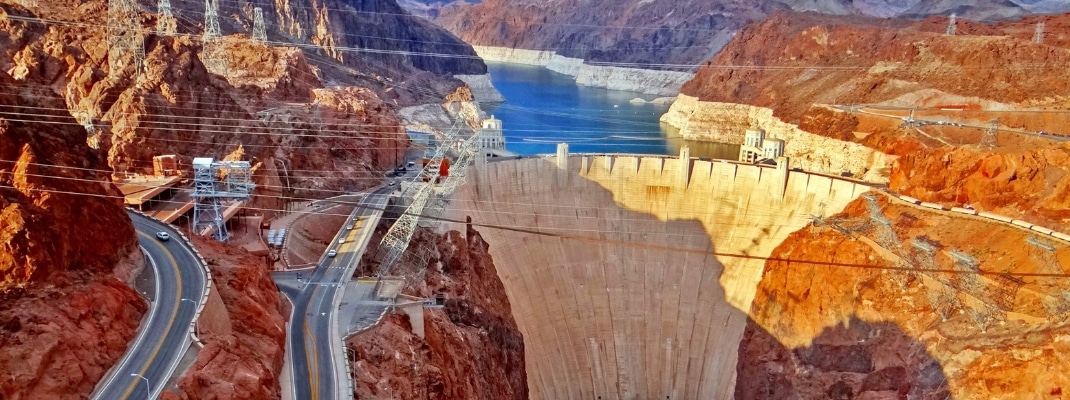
column 331, row 253
column 342, row 241
column 163, row 236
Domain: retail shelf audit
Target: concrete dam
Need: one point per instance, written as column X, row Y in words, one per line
column 616, row 283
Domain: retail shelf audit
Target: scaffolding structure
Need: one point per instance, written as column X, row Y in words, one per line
column 212, row 195
column 126, row 43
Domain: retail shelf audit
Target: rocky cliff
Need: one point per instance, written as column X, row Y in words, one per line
column 243, row 330
column 472, row 348
column 666, row 35
column 777, row 74
column 66, row 245
column 829, row 323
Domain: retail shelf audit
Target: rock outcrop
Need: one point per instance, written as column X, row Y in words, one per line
column 66, row 244
column 473, row 348
column 825, row 296
column 243, row 351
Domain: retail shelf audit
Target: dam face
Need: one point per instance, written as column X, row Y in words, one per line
column 617, row 285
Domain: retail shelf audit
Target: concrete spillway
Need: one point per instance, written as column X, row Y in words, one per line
column 622, row 295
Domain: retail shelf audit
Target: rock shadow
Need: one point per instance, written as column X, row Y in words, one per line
column 856, row 360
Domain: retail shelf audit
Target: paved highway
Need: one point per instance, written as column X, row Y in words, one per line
column 313, row 340
column 165, row 335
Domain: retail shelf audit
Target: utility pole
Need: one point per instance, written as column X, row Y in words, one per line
column 951, row 25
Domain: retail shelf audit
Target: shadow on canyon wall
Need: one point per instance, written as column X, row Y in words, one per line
column 857, row 360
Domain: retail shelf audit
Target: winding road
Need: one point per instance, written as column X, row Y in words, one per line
column 166, row 333
column 314, row 341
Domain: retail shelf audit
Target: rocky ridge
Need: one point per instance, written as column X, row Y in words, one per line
column 472, row 348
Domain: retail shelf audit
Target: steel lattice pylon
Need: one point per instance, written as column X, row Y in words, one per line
column 165, row 20
column 990, row 139
column 126, row 44
column 887, row 239
column 213, row 55
column 259, row 29
column 1038, row 34
column 951, row 25
column 1043, row 255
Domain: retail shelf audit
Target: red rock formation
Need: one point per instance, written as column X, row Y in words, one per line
column 792, row 61
column 65, row 317
column 824, row 317
column 244, row 361
column 473, row 348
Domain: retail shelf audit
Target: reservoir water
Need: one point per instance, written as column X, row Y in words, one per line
column 543, row 108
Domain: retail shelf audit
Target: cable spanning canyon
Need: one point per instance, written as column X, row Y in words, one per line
column 605, row 320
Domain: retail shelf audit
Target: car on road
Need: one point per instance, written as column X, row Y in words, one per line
column 332, row 253
column 163, row 236
column 349, row 227
column 342, row 241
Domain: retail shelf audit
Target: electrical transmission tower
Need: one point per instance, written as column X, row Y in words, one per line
column 166, row 24
column 1038, row 35
column 213, row 55
column 887, row 238
column 968, row 278
column 1043, row 254
column 259, row 29
column 126, row 45
column 940, row 298
column 211, row 196
column 988, row 141
column 951, row 25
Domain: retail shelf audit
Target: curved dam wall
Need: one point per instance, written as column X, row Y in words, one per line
column 619, row 283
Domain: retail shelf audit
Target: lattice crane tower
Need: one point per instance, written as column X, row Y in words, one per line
column 989, row 140
column 166, row 24
column 951, row 22
column 210, row 195
column 126, row 45
column 259, row 29
column 426, row 202
column 1038, row 34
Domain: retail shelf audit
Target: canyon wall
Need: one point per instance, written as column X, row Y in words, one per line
column 630, row 276
column 471, row 348
column 825, row 306
column 660, row 83
column 66, row 248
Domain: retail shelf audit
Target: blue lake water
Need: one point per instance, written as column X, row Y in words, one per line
column 543, row 108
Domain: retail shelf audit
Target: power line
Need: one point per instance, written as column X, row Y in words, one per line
column 651, row 246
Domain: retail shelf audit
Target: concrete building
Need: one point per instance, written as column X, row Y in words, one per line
column 490, row 137
column 757, row 147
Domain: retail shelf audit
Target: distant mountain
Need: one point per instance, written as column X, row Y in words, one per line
column 655, row 33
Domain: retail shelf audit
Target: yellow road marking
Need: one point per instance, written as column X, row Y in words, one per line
column 174, row 312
